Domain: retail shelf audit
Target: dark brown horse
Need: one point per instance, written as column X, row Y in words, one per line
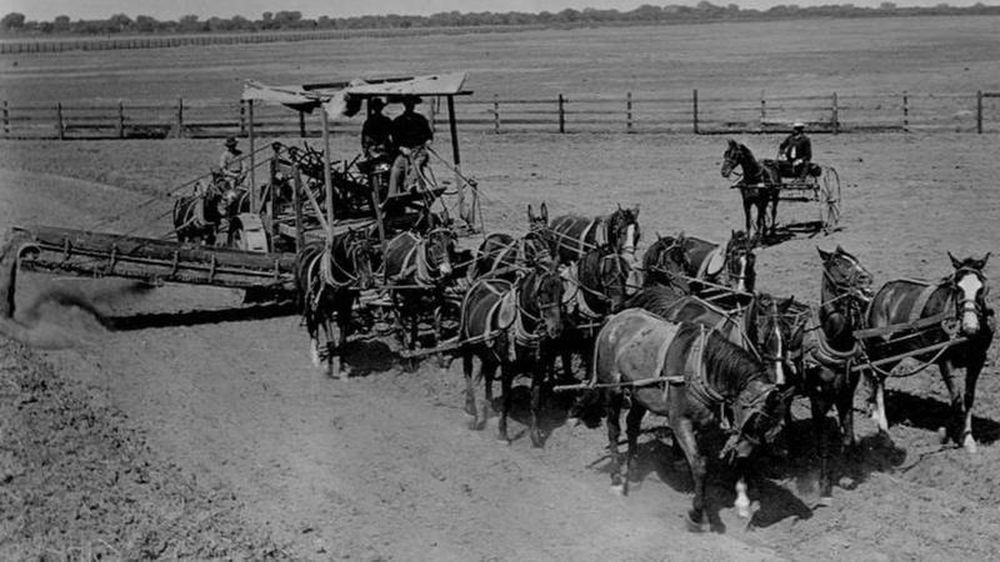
column 696, row 378
column 717, row 266
column 197, row 216
column 952, row 308
column 829, row 351
column 420, row 270
column 503, row 255
column 667, row 262
column 594, row 288
column 510, row 326
column 329, row 279
column 574, row 235
column 759, row 186
column 765, row 327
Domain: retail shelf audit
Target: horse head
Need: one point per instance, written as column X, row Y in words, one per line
column 623, row 230
column 540, row 239
column 438, row 251
column 970, row 285
column 668, row 262
column 605, row 273
column 777, row 328
column 539, row 221
column 733, row 157
column 847, row 285
column 540, row 297
column 741, row 262
column 759, row 413
column 359, row 254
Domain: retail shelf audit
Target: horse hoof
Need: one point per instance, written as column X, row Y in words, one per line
column 692, row 525
column 617, row 489
column 970, row 444
column 942, row 434
column 743, row 510
column 825, row 501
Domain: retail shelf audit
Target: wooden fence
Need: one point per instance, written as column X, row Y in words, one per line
column 631, row 113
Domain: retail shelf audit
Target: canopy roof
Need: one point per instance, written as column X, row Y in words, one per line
column 336, row 97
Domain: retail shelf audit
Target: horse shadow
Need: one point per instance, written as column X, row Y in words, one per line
column 366, row 356
column 903, row 408
column 145, row 321
column 557, row 408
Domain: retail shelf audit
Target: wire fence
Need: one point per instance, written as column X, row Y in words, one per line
column 977, row 112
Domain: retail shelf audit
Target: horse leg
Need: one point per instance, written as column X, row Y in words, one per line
column 845, row 411
column 774, row 211
column 613, row 408
column 955, row 399
column 879, row 415
column 742, row 502
column 506, row 382
column 539, row 370
column 633, row 424
column 972, row 370
column 746, row 213
column 470, row 392
column 685, row 436
column 819, row 405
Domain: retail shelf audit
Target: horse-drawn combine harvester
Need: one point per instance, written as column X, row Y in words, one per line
column 247, row 238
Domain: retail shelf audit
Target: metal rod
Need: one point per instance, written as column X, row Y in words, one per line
column 327, row 180
column 255, row 202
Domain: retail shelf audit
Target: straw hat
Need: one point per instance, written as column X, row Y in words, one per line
column 798, row 125
column 231, row 142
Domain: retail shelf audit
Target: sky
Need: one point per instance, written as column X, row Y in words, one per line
column 46, row 10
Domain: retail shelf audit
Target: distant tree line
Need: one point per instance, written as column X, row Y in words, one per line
column 16, row 23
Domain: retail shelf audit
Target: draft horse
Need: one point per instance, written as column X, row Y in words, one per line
column 829, row 351
column 420, row 270
column 329, row 279
column 667, row 263
column 574, row 235
column 731, row 265
column 197, row 216
column 510, row 326
column 594, row 288
column 759, row 186
column 503, row 255
column 954, row 307
column 696, row 378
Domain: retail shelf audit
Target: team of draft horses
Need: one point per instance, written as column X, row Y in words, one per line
column 680, row 333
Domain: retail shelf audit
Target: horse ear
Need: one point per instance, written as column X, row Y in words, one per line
column 955, row 262
column 531, row 214
column 986, row 258
column 545, row 211
column 824, row 255
column 619, row 206
column 635, row 212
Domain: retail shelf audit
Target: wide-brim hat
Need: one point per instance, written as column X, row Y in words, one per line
column 410, row 98
column 798, row 125
column 376, row 103
column 231, row 141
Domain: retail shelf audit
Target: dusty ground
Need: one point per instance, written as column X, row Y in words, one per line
column 382, row 466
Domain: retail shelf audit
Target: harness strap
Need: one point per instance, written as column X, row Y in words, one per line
column 582, row 242
column 921, row 302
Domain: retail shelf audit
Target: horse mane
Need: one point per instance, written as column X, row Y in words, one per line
column 655, row 298
column 728, row 361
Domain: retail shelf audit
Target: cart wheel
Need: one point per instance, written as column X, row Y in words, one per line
column 829, row 201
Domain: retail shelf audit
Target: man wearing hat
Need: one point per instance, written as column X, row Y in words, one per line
column 231, row 163
column 795, row 152
column 376, row 131
column 411, row 133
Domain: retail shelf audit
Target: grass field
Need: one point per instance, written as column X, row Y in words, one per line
column 869, row 56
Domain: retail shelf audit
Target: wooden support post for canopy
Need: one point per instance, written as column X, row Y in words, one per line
column 979, row 111
column 300, row 240
column 466, row 214
column 254, row 203
column 694, row 110
column 327, row 180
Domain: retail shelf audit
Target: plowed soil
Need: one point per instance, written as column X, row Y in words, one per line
column 382, row 466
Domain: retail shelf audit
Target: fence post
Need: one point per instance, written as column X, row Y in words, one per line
column 243, row 118
column 180, row 118
column 302, row 124
column 121, row 119
column 906, row 112
column 694, row 110
column 6, row 119
column 835, row 114
column 59, row 118
column 763, row 110
column 628, row 112
column 979, row 111
column 562, row 114
column 496, row 114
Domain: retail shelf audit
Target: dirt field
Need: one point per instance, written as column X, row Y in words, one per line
column 383, row 467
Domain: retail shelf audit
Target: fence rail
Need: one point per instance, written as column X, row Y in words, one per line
column 630, row 113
